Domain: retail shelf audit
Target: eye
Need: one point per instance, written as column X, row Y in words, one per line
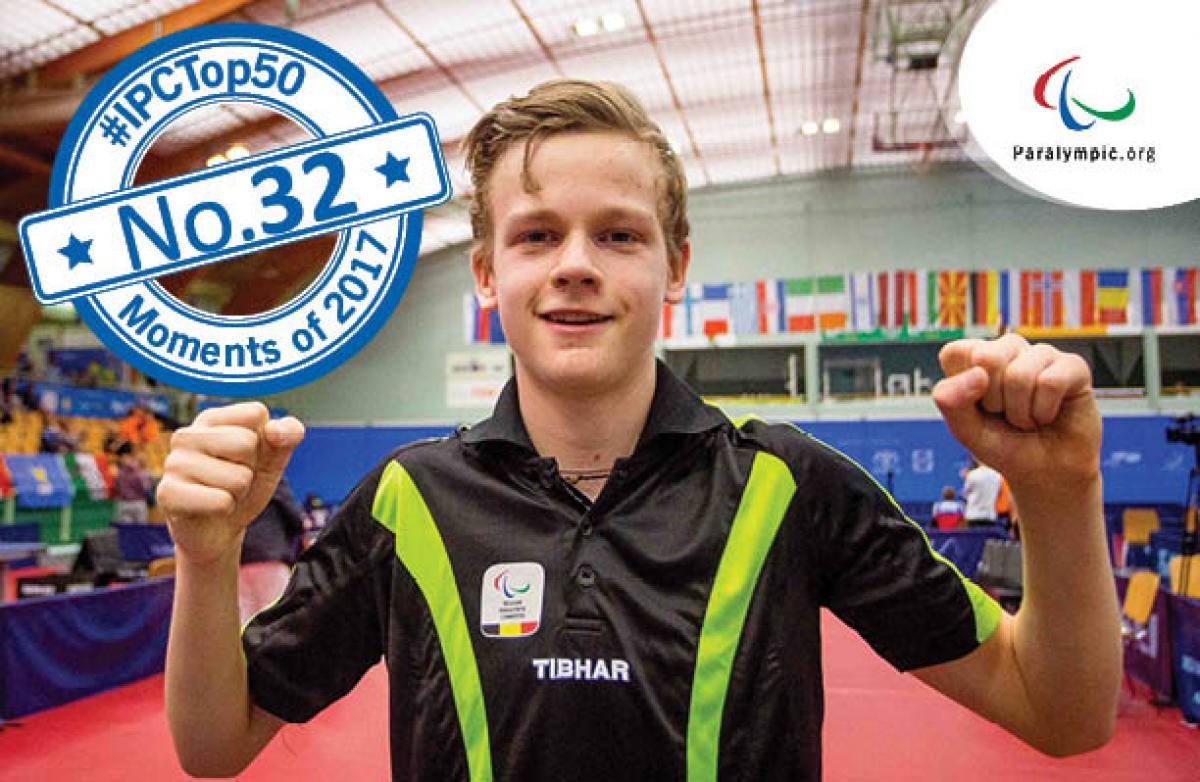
column 619, row 236
column 536, row 236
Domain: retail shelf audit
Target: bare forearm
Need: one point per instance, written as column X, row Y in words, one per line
column 208, row 705
column 1067, row 635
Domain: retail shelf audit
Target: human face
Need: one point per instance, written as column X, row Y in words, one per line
column 579, row 269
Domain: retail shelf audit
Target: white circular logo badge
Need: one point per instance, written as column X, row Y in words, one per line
column 365, row 176
column 1085, row 102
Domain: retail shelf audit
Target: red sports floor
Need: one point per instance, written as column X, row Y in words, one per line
column 880, row 726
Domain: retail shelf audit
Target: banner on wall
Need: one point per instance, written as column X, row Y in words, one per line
column 476, row 379
column 96, row 402
column 921, row 305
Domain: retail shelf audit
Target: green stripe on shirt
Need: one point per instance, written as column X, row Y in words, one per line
column 763, row 505
column 399, row 507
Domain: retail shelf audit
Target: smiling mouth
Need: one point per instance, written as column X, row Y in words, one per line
column 575, row 318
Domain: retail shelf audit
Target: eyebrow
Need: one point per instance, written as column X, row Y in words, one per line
column 607, row 214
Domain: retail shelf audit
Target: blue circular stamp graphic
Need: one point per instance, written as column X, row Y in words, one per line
column 365, row 176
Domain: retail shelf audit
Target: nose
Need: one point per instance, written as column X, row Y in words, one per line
column 574, row 265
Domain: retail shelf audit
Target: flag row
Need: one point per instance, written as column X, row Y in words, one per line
column 917, row 301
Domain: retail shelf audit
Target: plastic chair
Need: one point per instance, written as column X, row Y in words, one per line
column 1138, row 524
column 1193, row 575
column 163, row 566
column 1136, row 610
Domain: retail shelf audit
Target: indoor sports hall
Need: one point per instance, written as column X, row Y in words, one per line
column 843, row 232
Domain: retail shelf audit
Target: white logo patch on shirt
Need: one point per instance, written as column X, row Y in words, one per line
column 511, row 602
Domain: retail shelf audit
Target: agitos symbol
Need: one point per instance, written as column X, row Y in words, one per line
column 501, row 585
column 1064, row 110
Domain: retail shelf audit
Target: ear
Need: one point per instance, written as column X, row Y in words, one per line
column 485, row 278
column 677, row 271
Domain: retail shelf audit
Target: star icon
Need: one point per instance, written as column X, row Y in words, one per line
column 77, row 252
column 394, row 170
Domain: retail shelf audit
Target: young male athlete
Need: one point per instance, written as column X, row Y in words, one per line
column 608, row 579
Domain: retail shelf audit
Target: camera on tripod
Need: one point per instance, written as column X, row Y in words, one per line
column 1186, row 431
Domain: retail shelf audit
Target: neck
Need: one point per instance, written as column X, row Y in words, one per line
column 586, row 432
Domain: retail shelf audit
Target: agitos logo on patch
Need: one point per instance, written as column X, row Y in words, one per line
column 501, row 583
column 1064, row 100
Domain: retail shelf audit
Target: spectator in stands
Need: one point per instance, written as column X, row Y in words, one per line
column 316, row 511
column 56, row 437
column 8, row 400
column 130, row 490
column 98, row 376
column 139, row 426
column 1006, row 515
column 269, row 550
column 980, row 489
column 948, row 512
column 24, row 367
column 114, row 444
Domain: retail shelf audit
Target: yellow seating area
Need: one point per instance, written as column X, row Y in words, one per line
column 24, row 435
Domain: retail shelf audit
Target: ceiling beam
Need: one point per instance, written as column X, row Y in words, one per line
column 678, row 104
column 32, row 164
column 541, row 42
column 22, row 112
column 863, row 21
column 446, row 71
column 766, row 83
column 107, row 52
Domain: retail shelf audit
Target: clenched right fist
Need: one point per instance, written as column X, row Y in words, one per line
column 220, row 474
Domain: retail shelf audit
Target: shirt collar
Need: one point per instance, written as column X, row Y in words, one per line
column 675, row 409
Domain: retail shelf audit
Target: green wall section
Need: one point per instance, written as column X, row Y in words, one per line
column 956, row 217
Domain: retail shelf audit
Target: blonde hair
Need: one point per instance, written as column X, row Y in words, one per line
column 566, row 106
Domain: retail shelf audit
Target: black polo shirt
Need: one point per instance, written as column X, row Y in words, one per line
column 669, row 630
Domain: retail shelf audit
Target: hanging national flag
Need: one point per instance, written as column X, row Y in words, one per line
column 1183, row 297
column 863, row 304
column 1112, row 296
column 798, row 306
column 710, row 310
column 40, row 481
column 6, row 486
column 917, row 293
column 770, row 307
column 743, row 307
column 1134, row 309
column 832, row 305
column 90, row 475
column 1010, row 299
column 985, row 298
column 889, row 308
column 1049, row 294
column 951, row 300
column 1086, row 307
column 1151, row 297
column 482, row 323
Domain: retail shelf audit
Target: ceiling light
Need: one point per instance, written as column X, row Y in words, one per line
column 831, row 125
column 613, row 21
column 809, row 128
column 215, row 160
column 237, row 152
column 586, row 27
